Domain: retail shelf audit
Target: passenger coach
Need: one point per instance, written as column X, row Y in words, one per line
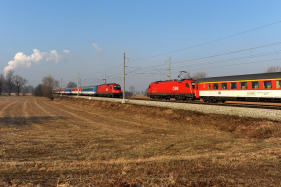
column 253, row 87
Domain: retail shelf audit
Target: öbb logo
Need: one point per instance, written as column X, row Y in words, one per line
column 175, row 88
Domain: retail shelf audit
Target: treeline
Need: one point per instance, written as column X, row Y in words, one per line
column 11, row 83
column 45, row 89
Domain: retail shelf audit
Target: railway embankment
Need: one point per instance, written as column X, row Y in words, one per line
column 214, row 109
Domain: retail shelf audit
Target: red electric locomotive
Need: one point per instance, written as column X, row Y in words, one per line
column 109, row 90
column 178, row 89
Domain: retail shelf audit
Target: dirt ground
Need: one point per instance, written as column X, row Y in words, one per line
column 78, row 142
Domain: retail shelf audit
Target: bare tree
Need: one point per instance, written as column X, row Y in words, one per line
column 10, row 81
column 2, row 81
column 195, row 76
column 19, row 82
column 49, row 84
column 132, row 89
column 24, row 90
column 273, row 69
column 38, row 90
column 71, row 85
column 199, row 75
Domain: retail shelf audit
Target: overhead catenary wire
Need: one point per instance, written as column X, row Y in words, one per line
column 217, row 55
column 212, row 62
column 219, row 39
column 136, row 71
column 197, row 45
column 232, row 59
column 270, row 60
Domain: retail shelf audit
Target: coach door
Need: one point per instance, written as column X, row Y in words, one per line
column 197, row 90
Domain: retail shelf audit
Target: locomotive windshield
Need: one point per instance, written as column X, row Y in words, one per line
column 116, row 88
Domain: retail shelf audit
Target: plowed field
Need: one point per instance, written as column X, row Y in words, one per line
column 79, row 142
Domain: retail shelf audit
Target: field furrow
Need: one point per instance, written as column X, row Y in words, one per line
column 129, row 123
column 80, row 142
column 5, row 107
column 44, row 110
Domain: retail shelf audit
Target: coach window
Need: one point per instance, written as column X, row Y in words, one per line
column 267, row 84
column 255, row 85
column 278, row 84
column 187, row 85
column 243, row 85
column 223, row 86
column 233, row 85
column 208, row 87
column 215, row 86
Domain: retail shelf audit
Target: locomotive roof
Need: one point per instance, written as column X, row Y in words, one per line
column 107, row 84
column 275, row 75
column 175, row 80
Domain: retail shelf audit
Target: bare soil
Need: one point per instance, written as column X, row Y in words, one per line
column 78, row 142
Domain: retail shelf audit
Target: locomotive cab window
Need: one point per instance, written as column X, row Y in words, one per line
column 243, row 85
column 215, row 86
column 223, row 86
column 116, row 88
column 267, row 84
column 255, row 85
column 208, row 87
column 233, row 85
column 187, row 85
column 278, row 84
column 193, row 85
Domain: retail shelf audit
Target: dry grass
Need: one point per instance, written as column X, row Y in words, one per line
column 76, row 142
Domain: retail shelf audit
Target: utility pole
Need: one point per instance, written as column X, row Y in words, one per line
column 60, row 86
column 124, row 81
column 78, row 85
column 104, row 78
column 169, row 68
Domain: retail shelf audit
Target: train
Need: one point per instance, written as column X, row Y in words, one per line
column 103, row 90
column 262, row 87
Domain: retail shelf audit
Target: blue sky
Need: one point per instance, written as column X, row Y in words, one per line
column 97, row 33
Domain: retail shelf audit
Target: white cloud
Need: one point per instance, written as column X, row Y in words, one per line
column 66, row 51
column 96, row 47
column 22, row 60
